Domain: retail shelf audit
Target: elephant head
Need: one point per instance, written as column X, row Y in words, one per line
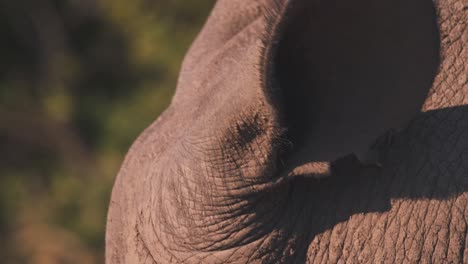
column 273, row 91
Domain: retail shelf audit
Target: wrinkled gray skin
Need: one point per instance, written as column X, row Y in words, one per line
column 266, row 80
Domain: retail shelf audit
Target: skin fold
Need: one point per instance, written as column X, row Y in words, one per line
column 223, row 175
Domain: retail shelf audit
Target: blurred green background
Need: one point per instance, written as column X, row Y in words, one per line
column 79, row 80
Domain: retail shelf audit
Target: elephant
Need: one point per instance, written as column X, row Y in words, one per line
column 211, row 180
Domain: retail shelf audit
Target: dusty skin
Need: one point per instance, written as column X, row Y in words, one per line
column 270, row 86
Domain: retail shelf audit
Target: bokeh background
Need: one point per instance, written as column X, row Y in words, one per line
column 79, row 80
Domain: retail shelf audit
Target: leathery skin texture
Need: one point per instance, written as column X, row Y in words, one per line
column 199, row 185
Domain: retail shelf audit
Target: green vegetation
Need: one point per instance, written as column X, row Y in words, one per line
column 79, row 80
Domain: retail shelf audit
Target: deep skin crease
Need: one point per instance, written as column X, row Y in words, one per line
column 202, row 184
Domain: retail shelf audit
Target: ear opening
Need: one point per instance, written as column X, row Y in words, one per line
column 337, row 70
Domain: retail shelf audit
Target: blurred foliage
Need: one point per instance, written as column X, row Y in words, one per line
column 79, row 80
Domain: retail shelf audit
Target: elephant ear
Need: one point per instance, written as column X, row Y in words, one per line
column 341, row 73
column 333, row 74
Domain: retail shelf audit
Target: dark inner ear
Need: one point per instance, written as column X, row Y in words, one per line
column 331, row 50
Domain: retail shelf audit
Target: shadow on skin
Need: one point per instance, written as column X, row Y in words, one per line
column 428, row 160
column 348, row 71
